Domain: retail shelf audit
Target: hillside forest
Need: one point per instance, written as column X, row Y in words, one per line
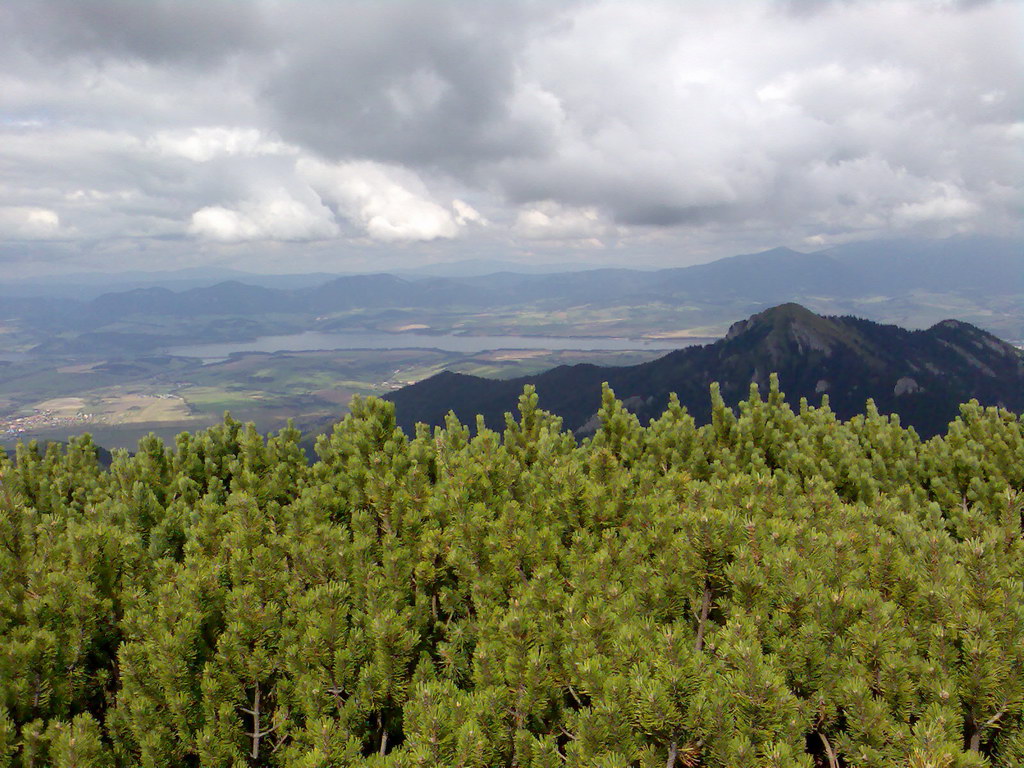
column 776, row 588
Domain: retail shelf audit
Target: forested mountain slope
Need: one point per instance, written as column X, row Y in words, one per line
column 777, row 589
column 921, row 375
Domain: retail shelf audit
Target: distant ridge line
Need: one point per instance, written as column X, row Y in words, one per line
column 922, row 376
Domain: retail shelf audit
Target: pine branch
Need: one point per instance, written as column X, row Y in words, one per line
column 705, row 609
column 572, row 692
column 38, row 691
column 278, row 743
column 833, row 762
column 996, row 717
column 673, row 753
column 974, row 742
column 257, row 734
column 383, row 735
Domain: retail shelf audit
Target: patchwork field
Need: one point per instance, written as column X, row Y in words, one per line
column 112, row 407
column 52, row 399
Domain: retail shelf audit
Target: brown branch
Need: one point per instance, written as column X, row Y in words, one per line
column 383, row 735
column 705, row 609
column 257, row 734
column 572, row 693
column 996, row 717
column 673, row 753
column 974, row 743
column 833, row 762
column 278, row 744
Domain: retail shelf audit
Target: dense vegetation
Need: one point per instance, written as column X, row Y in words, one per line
column 777, row 588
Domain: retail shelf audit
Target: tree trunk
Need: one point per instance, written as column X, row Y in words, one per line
column 975, row 742
column 973, row 732
column 673, row 753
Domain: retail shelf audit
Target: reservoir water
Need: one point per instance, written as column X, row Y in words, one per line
column 449, row 342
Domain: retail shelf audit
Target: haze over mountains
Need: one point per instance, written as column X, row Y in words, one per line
column 912, row 282
column 88, row 285
column 921, row 375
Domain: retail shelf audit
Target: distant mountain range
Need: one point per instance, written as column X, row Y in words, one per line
column 88, row 285
column 921, row 375
column 912, row 282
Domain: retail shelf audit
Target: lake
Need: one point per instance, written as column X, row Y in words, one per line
column 449, row 342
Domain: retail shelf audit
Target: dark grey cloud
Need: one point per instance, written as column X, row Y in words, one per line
column 308, row 128
column 190, row 32
column 428, row 84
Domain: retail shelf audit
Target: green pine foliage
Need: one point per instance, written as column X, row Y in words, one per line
column 778, row 588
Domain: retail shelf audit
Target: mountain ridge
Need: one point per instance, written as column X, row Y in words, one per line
column 910, row 282
column 860, row 266
column 921, row 375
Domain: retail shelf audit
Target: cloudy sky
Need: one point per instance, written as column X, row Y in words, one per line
column 297, row 135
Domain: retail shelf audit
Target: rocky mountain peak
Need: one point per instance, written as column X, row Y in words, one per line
column 921, row 375
column 791, row 330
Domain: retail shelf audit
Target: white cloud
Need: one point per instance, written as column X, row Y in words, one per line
column 389, row 203
column 943, row 204
column 466, row 214
column 205, row 143
column 275, row 217
column 28, row 223
column 550, row 221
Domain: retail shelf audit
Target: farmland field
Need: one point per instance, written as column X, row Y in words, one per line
column 120, row 400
